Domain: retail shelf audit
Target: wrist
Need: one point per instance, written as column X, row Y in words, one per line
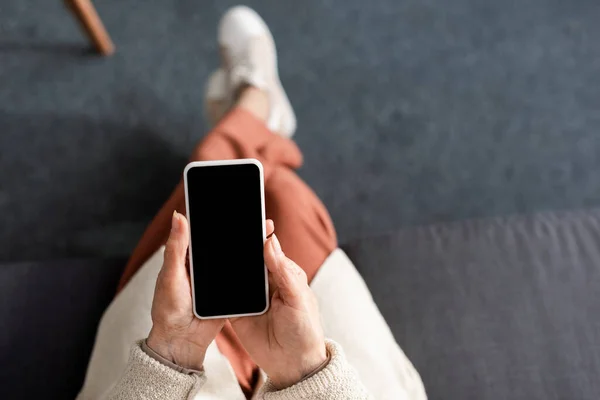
column 309, row 365
column 160, row 345
column 176, row 351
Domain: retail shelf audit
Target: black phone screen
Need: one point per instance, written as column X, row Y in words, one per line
column 226, row 248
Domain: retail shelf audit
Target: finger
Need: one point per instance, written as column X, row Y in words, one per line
column 270, row 227
column 289, row 278
column 177, row 245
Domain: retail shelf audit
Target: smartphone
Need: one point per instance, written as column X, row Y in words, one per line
column 225, row 205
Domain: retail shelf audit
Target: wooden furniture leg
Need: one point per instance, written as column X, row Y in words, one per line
column 92, row 25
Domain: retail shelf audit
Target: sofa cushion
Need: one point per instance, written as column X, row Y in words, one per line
column 49, row 313
column 494, row 309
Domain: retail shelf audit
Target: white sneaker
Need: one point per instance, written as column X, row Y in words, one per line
column 249, row 57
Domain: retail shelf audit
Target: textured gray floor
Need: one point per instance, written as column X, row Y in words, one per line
column 410, row 112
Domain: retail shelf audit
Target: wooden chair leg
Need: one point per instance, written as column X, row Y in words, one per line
column 92, row 25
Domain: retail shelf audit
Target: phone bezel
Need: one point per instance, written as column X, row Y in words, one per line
column 200, row 164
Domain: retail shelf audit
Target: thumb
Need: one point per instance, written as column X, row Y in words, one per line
column 177, row 244
column 287, row 276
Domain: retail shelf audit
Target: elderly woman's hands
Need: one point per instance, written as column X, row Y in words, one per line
column 287, row 341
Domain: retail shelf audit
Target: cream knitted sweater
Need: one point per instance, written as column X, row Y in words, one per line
column 146, row 378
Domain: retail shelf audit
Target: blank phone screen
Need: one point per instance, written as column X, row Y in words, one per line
column 226, row 225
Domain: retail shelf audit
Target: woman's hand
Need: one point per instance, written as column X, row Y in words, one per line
column 177, row 334
column 287, row 342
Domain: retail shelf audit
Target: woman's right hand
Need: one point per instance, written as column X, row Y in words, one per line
column 176, row 333
column 287, row 342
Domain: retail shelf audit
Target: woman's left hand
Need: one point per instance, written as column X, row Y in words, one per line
column 177, row 334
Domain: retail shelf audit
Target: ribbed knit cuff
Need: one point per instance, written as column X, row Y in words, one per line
column 153, row 354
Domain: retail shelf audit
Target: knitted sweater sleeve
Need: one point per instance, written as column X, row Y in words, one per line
column 147, row 378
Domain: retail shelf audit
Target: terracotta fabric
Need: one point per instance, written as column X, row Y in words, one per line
column 302, row 222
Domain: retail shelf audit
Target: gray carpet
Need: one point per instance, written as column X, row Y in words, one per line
column 410, row 112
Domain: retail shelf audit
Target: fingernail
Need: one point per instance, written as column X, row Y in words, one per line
column 174, row 225
column 276, row 245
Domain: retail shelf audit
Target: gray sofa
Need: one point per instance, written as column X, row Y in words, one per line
column 489, row 309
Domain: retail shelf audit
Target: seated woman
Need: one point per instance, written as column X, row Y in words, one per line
column 322, row 338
